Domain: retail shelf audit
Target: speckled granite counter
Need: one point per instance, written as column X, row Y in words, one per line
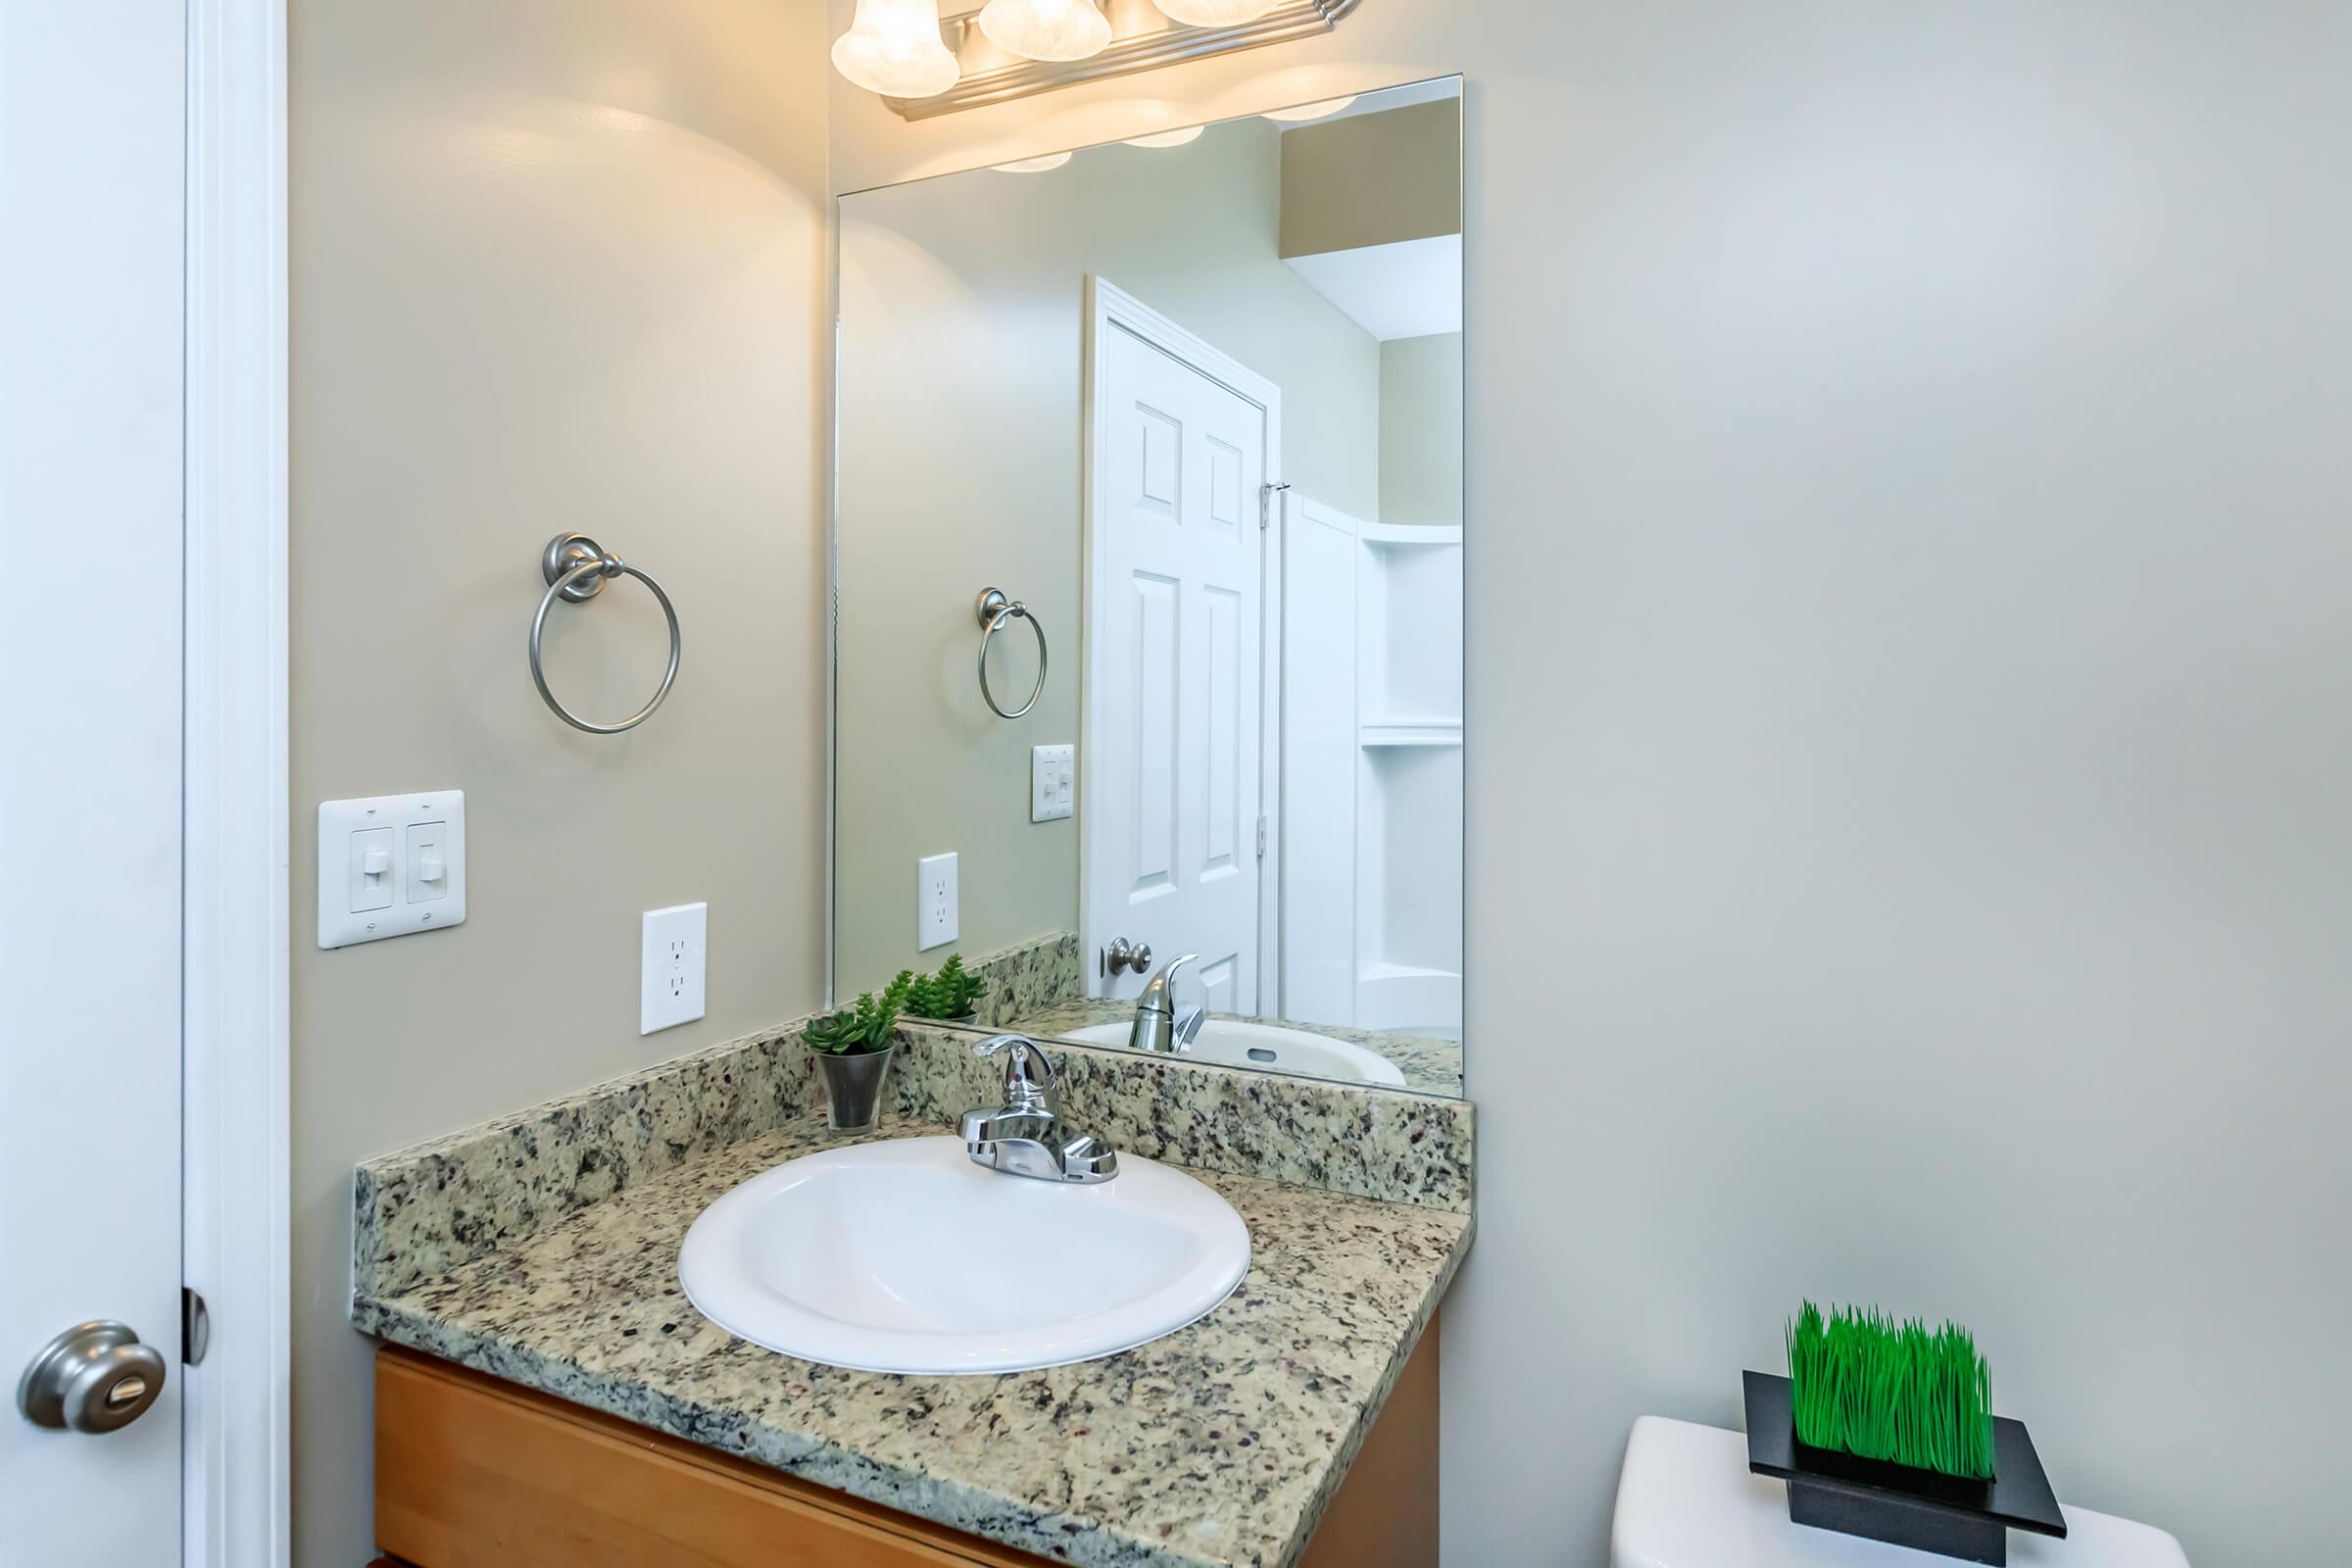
column 543, row 1249
column 1430, row 1065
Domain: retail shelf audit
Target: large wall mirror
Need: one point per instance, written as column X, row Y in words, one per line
column 1148, row 612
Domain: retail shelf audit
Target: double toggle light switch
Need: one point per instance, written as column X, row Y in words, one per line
column 390, row 864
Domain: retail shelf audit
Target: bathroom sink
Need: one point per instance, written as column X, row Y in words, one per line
column 905, row 1257
column 1231, row 1043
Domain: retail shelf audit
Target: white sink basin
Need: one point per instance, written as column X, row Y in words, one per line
column 905, row 1257
column 1230, row 1043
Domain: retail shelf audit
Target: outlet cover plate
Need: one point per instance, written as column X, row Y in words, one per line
column 935, row 919
column 358, row 903
column 670, row 984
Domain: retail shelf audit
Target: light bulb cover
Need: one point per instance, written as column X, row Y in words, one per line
column 1214, row 13
column 1317, row 110
column 1168, row 138
column 1046, row 29
column 1033, row 165
column 894, row 48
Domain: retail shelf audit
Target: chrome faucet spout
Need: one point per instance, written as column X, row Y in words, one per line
column 1157, row 1026
column 1025, row 1136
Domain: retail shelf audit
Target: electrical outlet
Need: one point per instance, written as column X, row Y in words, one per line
column 1051, row 782
column 671, row 988
column 934, row 902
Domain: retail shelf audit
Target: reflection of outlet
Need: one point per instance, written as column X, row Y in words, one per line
column 934, row 902
column 670, row 992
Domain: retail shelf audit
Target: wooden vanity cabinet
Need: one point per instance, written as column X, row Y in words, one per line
column 474, row 1473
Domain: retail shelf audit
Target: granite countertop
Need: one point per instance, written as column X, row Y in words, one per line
column 1217, row 1446
column 1430, row 1065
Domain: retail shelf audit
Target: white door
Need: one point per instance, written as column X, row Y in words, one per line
column 1175, row 657
column 91, row 147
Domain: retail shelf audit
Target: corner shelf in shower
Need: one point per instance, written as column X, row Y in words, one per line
column 1372, row 772
column 1410, row 732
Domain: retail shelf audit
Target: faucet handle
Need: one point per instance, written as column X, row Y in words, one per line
column 1029, row 1079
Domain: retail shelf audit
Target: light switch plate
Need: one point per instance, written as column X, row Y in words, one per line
column 1051, row 782
column 670, row 987
column 389, row 866
column 934, row 902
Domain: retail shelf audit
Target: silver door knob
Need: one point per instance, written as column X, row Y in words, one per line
column 1123, row 954
column 95, row 1377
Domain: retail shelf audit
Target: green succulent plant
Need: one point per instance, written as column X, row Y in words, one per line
column 950, row 993
column 864, row 1028
column 1867, row 1384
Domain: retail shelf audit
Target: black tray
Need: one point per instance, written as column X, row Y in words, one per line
column 1895, row 1502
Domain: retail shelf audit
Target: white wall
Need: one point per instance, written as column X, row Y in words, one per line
column 1908, row 676
column 557, row 263
column 963, row 303
column 1421, row 429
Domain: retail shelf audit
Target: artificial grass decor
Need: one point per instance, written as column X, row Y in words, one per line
column 1867, row 1385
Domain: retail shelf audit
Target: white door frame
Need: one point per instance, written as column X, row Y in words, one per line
column 1109, row 307
column 235, row 1504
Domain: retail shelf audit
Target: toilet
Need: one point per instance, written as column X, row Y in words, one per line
column 1686, row 1498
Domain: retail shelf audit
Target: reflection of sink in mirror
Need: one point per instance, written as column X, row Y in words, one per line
column 1231, row 1043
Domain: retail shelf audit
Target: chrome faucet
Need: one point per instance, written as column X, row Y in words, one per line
column 1024, row 1136
column 1157, row 1026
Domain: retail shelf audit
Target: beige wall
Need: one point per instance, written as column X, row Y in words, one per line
column 961, row 306
column 557, row 263
column 1907, row 677
column 1421, row 429
column 1373, row 179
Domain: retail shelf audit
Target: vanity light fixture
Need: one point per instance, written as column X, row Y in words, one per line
column 1001, row 50
column 1297, row 113
column 1046, row 30
column 894, row 48
column 1168, row 138
column 1215, row 13
column 1032, row 166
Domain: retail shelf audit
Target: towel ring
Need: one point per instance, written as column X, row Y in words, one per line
column 994, row 611
column 576, row 568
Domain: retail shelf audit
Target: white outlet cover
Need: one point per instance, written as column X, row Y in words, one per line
column 421, row 883
column 935, row 898
column 671, row 966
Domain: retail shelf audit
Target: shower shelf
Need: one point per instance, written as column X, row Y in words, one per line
column 1410, row 732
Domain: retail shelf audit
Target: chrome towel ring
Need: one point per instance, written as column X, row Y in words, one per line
column 994, row 611
column 577, row 568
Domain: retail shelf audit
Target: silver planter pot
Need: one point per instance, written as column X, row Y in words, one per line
column 854, row 1089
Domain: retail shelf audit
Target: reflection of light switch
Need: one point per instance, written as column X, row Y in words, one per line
column 1051, row 778
column 371, row 869
column 428, row 861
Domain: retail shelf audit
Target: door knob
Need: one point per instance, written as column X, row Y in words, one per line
column 1123, row 954
column 95, row 1377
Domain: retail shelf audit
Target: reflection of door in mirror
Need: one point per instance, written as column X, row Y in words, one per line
column 1175, row 638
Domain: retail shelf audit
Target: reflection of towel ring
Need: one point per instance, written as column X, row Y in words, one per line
column 994, row 611
column 575, row 568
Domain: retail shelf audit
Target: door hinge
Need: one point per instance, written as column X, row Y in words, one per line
column 1266, row 502
column 1261, row 837
column 195, row 1327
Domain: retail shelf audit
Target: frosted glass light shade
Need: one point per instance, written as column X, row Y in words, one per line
column 893, row 47
column 1168, row 138
column 1046, row 30
column 1215, row 13
column 1032, row 166
column 1314, row 111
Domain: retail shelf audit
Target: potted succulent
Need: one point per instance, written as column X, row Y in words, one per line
column 951, row 996
column 853, row 1049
